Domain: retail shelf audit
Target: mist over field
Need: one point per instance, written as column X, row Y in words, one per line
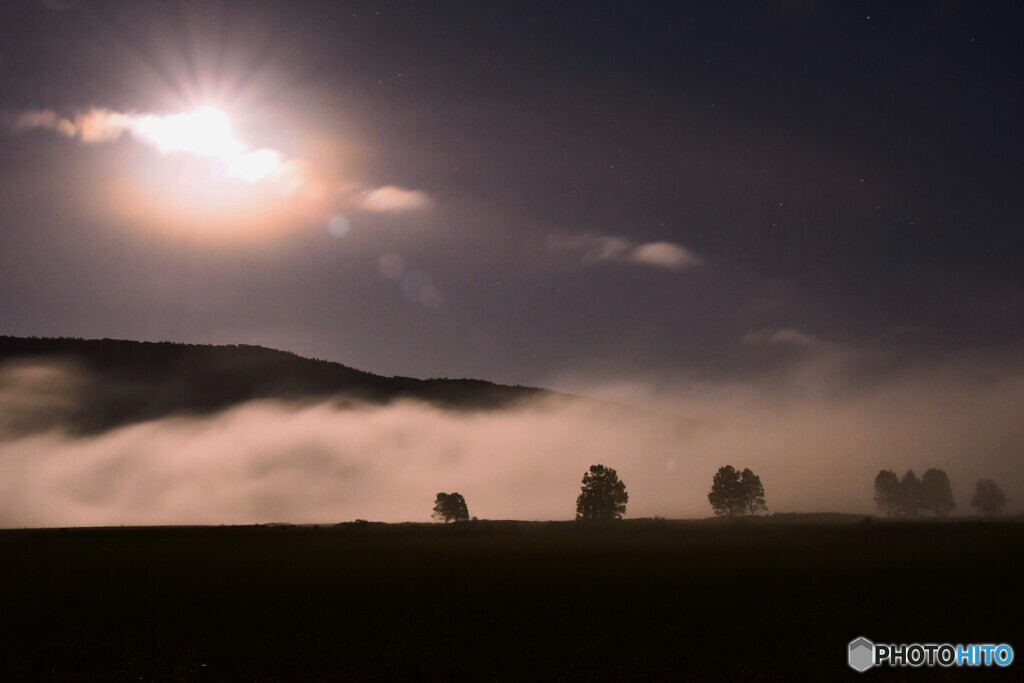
column 816, row 449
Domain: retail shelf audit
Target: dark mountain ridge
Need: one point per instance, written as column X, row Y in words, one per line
column 131, row 381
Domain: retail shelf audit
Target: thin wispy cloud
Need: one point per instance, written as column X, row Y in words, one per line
column 594, row 249
column 663, row 255
column 391, row 198
column 97, row 125
column 788, row 336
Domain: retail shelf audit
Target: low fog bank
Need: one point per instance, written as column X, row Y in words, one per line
column 815, row 449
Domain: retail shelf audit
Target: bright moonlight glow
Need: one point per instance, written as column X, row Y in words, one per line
column 254, row 166
column 209, row 181
column 206, row 132
column 214, row 185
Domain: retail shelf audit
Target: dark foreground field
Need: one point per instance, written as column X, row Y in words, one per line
column 641, row 600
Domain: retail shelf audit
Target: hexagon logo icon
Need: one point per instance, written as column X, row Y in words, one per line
column 862, row 654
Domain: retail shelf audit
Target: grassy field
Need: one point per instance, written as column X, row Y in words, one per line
column 638, row 600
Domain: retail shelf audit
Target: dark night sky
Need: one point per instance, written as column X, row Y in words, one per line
column 805, row 176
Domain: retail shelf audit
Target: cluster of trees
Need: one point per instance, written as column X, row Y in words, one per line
column 450, row 507
column 910, row 496
column 735, row 493
column 932, row 493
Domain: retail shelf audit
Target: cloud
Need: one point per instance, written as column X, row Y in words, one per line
column 205, row 133
column 594, row 249
column 46, row 119
column 95, row 125
column 393, row 199
column 785, row 336
column 664, row 255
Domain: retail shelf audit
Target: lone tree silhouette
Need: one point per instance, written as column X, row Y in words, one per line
column 936, row 493
column 735, row 493
column 911, row 495
column 988, row 498
column 887, row 492
column 450, row 507
column 602, row 496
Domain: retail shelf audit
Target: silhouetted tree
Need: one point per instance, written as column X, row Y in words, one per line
column 727, row 497
column 936, row 493
column 450, row 507
column 988, row 498
column 910, row 495
column 602, row 496
column 887, row 492
column 753, row 493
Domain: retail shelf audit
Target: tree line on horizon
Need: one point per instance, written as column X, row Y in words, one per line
column 910, row 496
column 603, row 496
column 739, row 493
